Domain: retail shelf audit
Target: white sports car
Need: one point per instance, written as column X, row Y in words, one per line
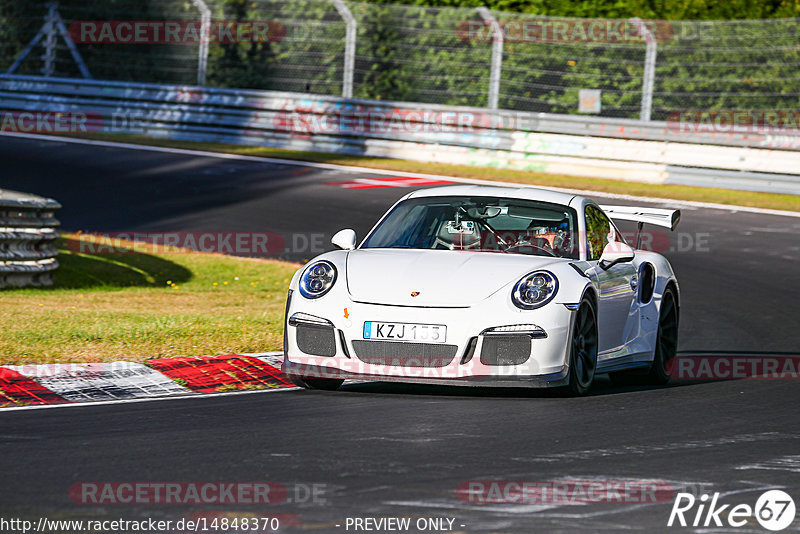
column 486, row 286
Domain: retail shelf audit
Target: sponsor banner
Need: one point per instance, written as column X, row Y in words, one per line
column 175, row 31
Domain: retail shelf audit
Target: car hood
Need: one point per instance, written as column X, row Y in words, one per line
column 440, row 277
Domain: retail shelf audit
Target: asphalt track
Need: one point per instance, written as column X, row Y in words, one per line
column 395, row 450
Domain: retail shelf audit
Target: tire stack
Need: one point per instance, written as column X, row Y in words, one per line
column 27, row 239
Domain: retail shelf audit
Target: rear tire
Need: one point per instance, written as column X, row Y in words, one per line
column 665, row 350
column 666, row 341
column 583, row 350
column 327, row 384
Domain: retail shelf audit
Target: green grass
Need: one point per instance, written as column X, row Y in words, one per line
column 135, row 305
column 677, row 192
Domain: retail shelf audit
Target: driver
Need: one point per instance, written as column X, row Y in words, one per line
column 538, row 235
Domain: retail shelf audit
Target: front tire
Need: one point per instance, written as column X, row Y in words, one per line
column 583, row 349
column 327, row 384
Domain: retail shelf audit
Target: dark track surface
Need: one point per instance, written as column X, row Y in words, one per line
column 395, row 450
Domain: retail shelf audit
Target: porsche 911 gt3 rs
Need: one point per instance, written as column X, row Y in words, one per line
column 488, row 286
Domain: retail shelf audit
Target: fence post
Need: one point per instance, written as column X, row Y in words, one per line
column 202, row 53
column 497, row 56
column 649, row 77
column 349, row 47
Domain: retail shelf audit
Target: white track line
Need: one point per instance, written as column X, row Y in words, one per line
column 190, row 395
column 364, row 170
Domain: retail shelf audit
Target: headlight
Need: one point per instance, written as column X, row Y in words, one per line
column 534, row 290
column 317, row 279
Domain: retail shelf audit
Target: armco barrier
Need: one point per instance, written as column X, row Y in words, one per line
column 27, row 239
column 563, row 144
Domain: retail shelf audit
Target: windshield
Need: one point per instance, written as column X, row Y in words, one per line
column 479, row 224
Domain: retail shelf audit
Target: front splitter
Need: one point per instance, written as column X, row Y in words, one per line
column 558, row 379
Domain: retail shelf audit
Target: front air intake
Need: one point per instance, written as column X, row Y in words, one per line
column 506, row 349
column 404, row 354
column 316, row 340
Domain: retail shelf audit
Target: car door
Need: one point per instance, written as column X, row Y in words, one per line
column 616, row 285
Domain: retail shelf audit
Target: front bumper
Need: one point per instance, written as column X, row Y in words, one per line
column 557, row 379
column 546, row 365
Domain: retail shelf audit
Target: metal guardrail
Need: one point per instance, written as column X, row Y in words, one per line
column 441, row 55
column 626, row 149
column 27, row 239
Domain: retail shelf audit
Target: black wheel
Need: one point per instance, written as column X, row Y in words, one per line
column 665, row 351
column 667, row 340
column 583, row 349
column 328, row 384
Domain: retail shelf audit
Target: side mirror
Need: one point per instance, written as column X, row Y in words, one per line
column 344, row 239
column 614, row 253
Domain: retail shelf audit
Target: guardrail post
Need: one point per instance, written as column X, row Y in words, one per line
column 202, row 53
column 649, row 77
column 349, row 47
column 497, row 56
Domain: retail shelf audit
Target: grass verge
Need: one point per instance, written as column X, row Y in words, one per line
column 677, row 192
column 133, row 305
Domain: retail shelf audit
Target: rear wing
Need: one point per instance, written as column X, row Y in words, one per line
column 659, row 217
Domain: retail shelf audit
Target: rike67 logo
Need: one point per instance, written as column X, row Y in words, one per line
column 774, row 510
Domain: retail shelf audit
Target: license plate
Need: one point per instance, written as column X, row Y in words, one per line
column 428, row 333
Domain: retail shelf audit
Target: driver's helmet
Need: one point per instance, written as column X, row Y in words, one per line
column 539, row 234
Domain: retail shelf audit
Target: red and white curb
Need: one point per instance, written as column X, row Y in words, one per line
column 32, row 385
column 388, row 181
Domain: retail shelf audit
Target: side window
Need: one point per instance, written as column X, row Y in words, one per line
column 598, row 228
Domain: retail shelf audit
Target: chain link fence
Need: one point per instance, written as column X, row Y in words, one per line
column 414, row 54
